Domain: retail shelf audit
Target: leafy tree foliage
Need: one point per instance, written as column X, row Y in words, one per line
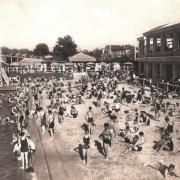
column 5, row 50
column 64, row 48
column 90, row 53
column 97, row 53
column 41, row 49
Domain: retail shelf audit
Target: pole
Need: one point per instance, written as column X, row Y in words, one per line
column 157, row 86
column 167, row 87
column 1, row 79
column 134, row 53
column 143, row 82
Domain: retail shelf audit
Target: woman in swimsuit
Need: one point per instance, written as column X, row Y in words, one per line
column 106, row 137
column 85, row 141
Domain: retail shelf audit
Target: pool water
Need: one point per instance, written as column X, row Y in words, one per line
column 8, row 162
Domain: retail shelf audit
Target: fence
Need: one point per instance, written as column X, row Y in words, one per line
column 143, row 82
column 13, row 76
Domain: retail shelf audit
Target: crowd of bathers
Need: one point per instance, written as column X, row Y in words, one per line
column 102, row 90
column 23, row 145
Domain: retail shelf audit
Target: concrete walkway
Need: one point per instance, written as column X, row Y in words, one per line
column 50, row 161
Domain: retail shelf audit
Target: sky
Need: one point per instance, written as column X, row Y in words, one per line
column 91, row 23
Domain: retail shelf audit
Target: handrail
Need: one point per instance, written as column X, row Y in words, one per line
column 5, row 77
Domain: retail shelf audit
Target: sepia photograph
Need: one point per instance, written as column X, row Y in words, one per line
column 89, row 89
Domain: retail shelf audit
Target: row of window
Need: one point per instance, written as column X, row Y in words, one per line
column 156, row 45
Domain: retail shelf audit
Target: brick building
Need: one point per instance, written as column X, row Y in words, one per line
column 159, row 53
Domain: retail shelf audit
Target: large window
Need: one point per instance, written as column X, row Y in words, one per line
column 145, row 45
column 169, row 42
column 151, row 45
column 158, row 42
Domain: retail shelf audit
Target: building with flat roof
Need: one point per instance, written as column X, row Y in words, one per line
column 159, row 53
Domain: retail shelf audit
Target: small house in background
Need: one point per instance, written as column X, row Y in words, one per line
column 118, row 53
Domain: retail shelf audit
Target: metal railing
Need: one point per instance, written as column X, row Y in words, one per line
column 167, row 87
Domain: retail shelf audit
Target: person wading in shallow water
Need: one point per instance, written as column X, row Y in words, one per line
column 24, row 150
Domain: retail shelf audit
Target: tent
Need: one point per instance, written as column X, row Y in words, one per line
column 14, row 64
column 114, row 63
column 55, row 64
column 48, row 56
column 128, row 64
column 116, row 66
column 90, row 63
column 104, row 64
column 81, row 57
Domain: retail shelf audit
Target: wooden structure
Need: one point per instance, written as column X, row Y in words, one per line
column 80, row 60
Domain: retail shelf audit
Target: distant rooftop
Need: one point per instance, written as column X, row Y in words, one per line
column 81, row 57
column 162, row 28
column 120, row 47
column 29, row 61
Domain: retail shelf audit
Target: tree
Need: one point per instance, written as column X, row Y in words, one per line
column 90, row 53
column 41, row 49
column 64, row 48
column 97, row 53
column 5, row 50
column 25, row 51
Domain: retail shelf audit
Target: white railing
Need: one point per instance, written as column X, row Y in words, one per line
column 5, row 77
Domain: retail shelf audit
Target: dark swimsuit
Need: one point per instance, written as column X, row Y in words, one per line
column 90, row 120
column 86, row 142
column 106, row 138
column 61, row 111
column 43, row 120
column 24, row 145
column 51, row 125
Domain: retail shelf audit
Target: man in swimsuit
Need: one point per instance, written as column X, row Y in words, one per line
column 50, row 120
column 90, row 119
column 24, row 150
column 61, row 112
